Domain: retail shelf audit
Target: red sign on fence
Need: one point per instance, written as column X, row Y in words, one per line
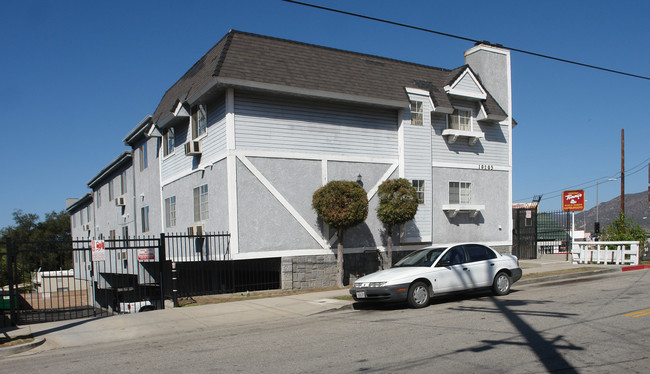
column 98, row 250
column 573, row 201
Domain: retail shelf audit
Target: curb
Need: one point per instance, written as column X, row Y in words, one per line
column 552, row 278
column 8, row 351
column 635, row 267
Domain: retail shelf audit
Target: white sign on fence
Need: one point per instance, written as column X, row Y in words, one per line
column 146, row 254
column 98, row 250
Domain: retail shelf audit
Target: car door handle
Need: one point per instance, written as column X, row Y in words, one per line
column 491, row 264
column 465, row 269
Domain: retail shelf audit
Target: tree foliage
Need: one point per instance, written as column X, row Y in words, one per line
column 398, row 204
column 342, row 205
column 624, row 229
column 39, row 242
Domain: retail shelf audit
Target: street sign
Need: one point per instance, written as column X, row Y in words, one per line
column 98, row 250
column 573, row 201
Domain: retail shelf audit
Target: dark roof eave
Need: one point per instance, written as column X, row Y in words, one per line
column 137, row 131
column 87, row 198
column 120, row 161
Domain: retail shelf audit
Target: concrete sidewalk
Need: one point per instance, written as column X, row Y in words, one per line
column 168, row 322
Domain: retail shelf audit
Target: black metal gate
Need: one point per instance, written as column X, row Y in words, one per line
column 50, row 281
column 524, row 236
column 553, row 232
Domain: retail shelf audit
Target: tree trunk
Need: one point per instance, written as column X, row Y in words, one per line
column 389, row 242
column 339, row 260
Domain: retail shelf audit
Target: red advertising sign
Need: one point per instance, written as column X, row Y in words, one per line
column 573, row 201
column 146, row 254
column 98, row 250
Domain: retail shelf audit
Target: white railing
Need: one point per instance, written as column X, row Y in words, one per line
column 615, row 253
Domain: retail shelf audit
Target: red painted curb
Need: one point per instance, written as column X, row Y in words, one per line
column 637, row 267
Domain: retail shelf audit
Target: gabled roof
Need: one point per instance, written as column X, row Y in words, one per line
column 248, row 60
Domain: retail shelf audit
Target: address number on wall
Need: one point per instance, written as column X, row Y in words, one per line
column 486, row 167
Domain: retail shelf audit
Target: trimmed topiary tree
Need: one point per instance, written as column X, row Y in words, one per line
column 342, row 205
column 398, row 204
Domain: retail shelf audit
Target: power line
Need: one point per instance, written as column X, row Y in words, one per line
column 465, row 38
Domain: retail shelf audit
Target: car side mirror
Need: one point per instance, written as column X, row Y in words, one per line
column 442, row 263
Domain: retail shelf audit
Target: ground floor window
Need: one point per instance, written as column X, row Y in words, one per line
column 170, row 211
column 201, row 203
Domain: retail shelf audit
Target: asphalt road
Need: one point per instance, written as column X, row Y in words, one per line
column 569, row 326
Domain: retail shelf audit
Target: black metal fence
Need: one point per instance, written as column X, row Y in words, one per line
column 48, row 281
column 553, row 231
column 524, row 233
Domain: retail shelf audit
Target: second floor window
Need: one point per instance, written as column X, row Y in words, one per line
column 144, row 161
column 417, row 113
column 461, row 119
column 111, row 194
column 460, row 193
column 199, row 121
column 99, row 197
column 169, row 142
column 123, row 182
column 201, row 203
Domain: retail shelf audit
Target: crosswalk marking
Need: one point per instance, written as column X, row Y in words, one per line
column 640, row 313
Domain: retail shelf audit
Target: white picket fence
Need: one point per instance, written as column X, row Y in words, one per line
column 614, row 253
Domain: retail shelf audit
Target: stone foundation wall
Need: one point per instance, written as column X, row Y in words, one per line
column 308, row 272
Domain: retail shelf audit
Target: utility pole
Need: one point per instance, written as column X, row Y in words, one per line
column 623, row 171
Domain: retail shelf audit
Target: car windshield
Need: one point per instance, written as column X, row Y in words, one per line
column 423, row 257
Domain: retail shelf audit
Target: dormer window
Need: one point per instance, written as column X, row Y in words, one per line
column 461, row 119
column 417, row 113
column 199, row 121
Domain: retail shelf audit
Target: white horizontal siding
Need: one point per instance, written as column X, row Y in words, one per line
column 214, row 143
column 417, row 165
column 265, row 122
column 492, row 150
column 176, row 163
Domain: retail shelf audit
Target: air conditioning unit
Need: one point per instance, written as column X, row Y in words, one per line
column 196, row 230
column 85, row 227
column 193, row 148
column 119, row 201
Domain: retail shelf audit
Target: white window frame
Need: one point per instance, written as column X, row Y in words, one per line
column 123, row 186
column 111, row 191
column 144, row 216
column 98, row 201
column 417, row 113
column 170, row 211
column 169, row 142
column 199, row 122
column 455, row 119
column 201, row 207
column 144, row 160
column 418, row 184
column 464, row 194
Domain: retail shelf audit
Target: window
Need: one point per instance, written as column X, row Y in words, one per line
column 110, row 190
column 143, row 157
column 199, row 121
column 170, row 211
column 201, row 203
column 419, row 189
column 98, row 201
column 168, row 142
column 479, row 253
column 417, row 113
column 144, row 213
column 461, row 119
column 460, row 193
column 125, row 236
column 455, row 256
column 74, row 220
column 123, row 182
column 88, row 214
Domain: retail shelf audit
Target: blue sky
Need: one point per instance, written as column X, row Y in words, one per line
column 77, row 76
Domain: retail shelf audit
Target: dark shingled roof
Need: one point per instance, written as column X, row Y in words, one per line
column 271, row 61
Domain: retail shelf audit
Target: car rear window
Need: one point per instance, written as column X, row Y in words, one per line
column 479, row 253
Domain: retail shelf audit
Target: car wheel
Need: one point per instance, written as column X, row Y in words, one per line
column 418, row 296
column 501, row 285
